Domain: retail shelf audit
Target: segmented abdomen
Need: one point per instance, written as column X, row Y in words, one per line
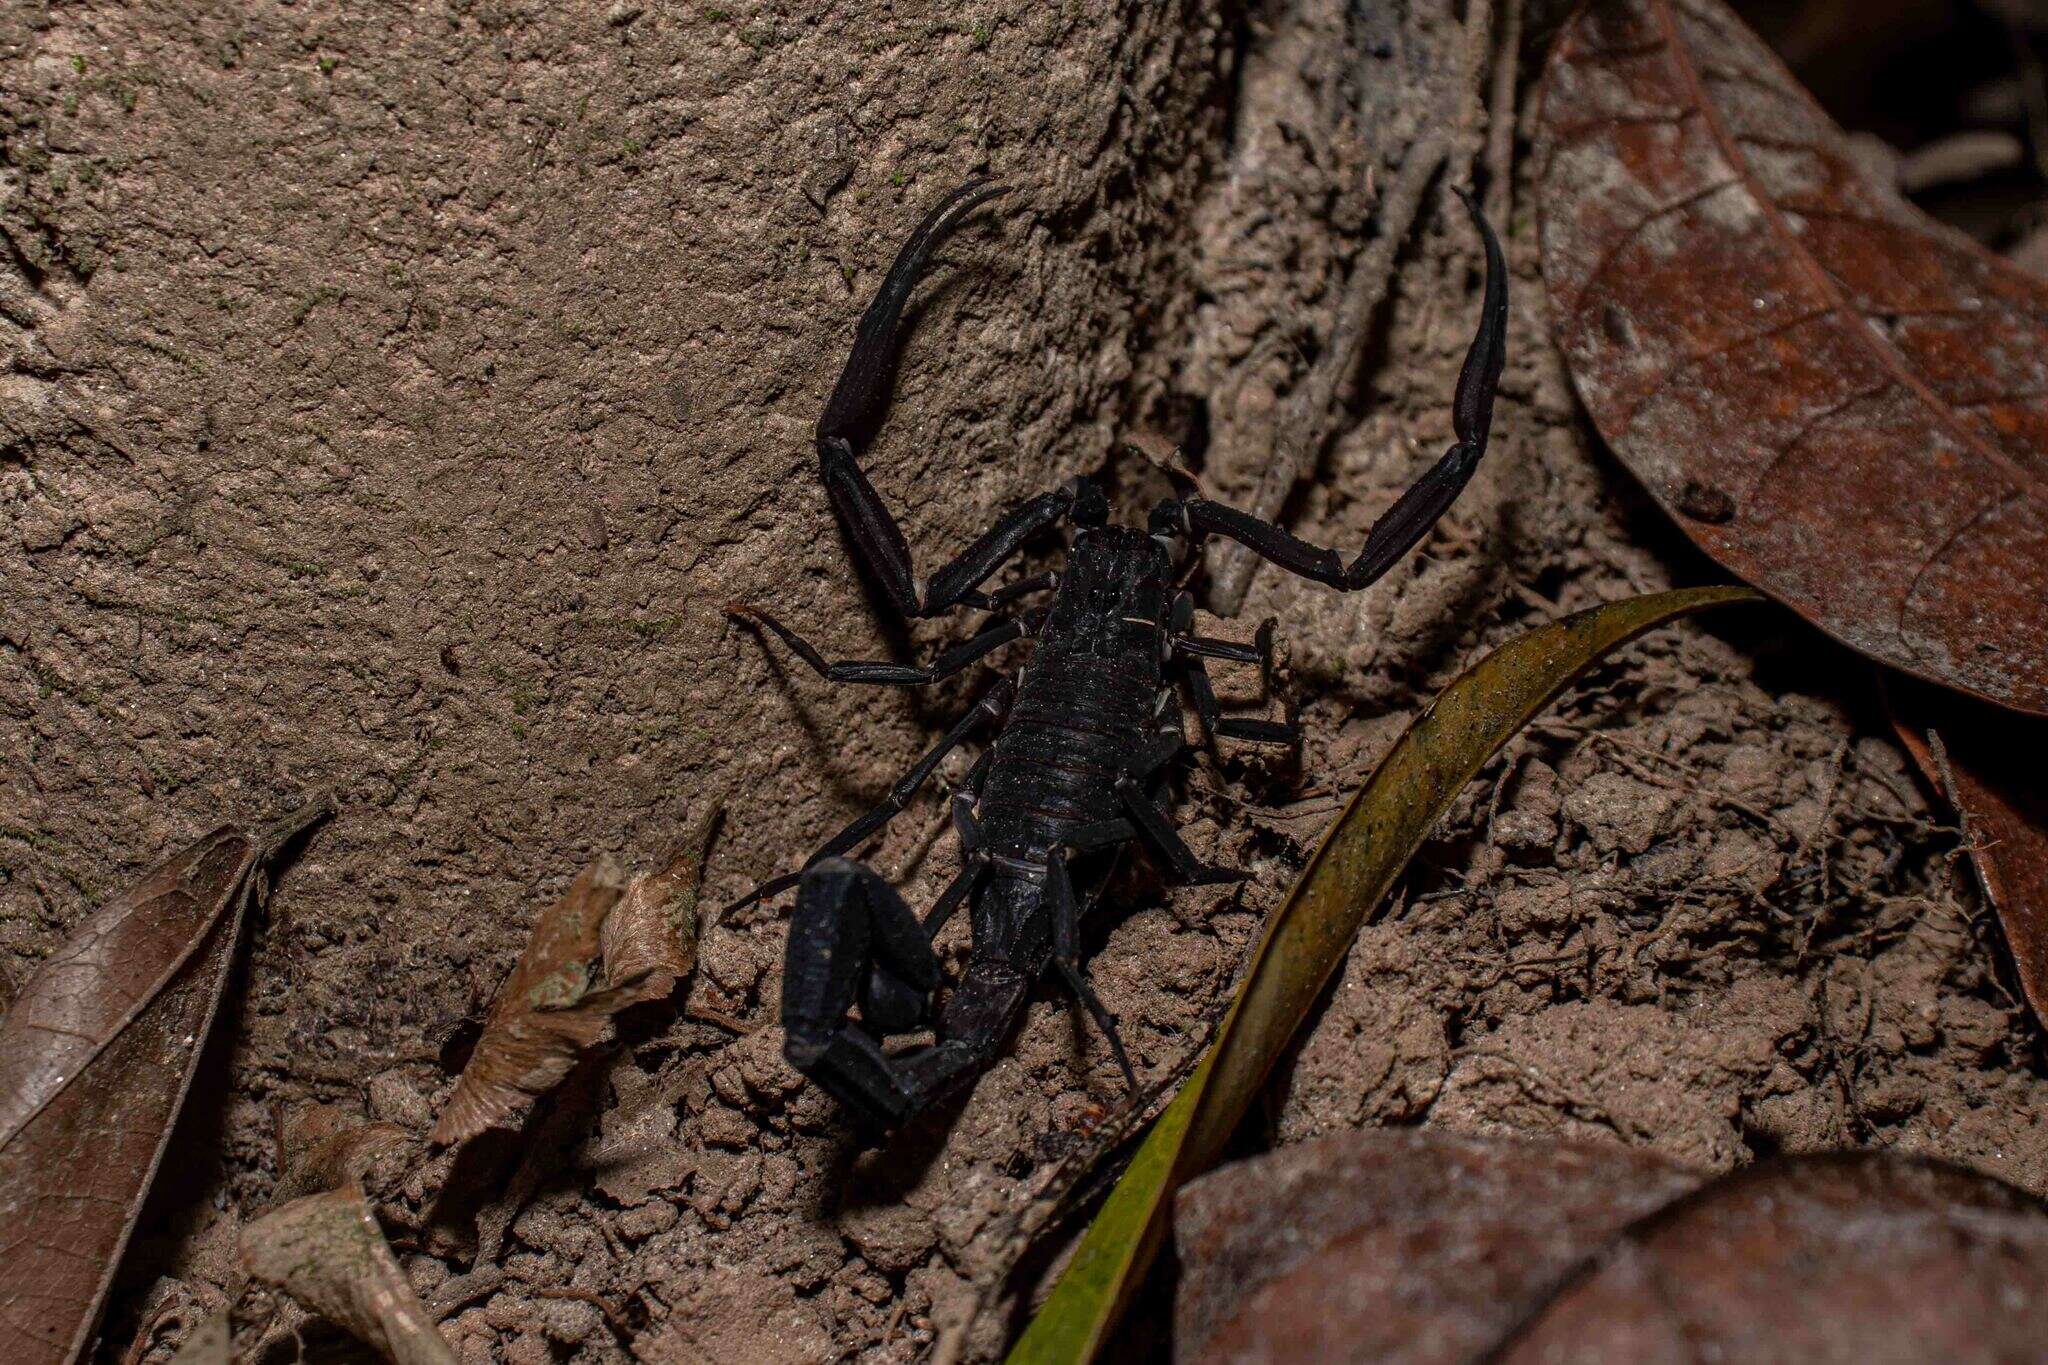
column 1076, row 725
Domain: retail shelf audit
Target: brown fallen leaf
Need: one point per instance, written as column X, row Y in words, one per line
column 550, row 1011
column 1426, row 1247
column 607, row 945
column 1438, row 1243
column 327, row 1252
column 1839, row 399
column 1851, row 1257
column 95, row 1060
column 1988, row 765
column 652, row 934
column 326, row 1148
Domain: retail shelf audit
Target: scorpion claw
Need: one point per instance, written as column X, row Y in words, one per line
column 854, row 942
column 854, row 410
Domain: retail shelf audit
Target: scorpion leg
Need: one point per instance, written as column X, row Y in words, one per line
column 1186, row 644
column 1232, row 727
column 990, row 707
column 1190, row 650
column 1204, row 647
column 949, row 662
column 1010, row 592
column 1418, row 509
column 853, row 415
column 949, row 900
column 1160, row 835
column 972, row 861
column 1066, row 955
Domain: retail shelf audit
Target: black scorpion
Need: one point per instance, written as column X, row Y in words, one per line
column 1086, row 732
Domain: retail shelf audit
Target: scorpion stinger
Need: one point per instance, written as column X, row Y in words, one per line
column 1085, row 738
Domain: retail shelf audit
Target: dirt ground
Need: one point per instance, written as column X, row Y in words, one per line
column 395, row 396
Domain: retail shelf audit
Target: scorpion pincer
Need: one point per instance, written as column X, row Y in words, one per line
column 1085, row 737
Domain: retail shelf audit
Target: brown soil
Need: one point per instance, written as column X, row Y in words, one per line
column 395, row 398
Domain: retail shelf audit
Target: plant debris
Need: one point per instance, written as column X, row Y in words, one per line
column 95, row 1060
column 608, row 944
column 327, row 1252
column 1425, row 1247
column 208, row 1344
column 325, row 1148
column 651, row 936
column 1835, row 396
column 1987, row 765
column 1846, row 1256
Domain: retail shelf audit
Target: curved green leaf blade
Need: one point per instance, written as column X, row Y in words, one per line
column 1309, row 934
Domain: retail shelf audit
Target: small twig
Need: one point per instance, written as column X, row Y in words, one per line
column 704, row 1014
column 613, row 1318
column 1825, row 825
column 1500, row 117
column 895, row 1321
column 1472, row 107
column 1973, row 841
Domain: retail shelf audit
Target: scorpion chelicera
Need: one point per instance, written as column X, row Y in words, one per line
column 1085, row 733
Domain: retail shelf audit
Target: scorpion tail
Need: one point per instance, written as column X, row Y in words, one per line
column 854, row 412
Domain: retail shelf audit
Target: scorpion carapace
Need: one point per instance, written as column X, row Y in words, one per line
column 1084, row 736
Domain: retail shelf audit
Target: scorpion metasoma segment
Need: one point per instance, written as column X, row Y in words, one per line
column 1085, row 735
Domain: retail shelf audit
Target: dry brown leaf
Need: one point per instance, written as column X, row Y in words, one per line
column 1988, row 765
column 95, row 1060
column 652, row 934
column 1431, row 1248
column 549, row 1012
column 326, row 1251
column 1839, row 399
column 326, row 1147
column 1852, row 1256
column 606, row 946
column 1440, row 1242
